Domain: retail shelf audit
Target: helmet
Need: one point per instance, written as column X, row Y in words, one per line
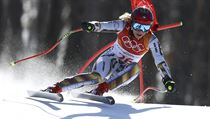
column 142, row 15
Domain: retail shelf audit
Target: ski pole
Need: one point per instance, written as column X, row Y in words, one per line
column 48, row 50
column 140, row 99
column 169, row 26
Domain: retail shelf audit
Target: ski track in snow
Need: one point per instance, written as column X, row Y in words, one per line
column 23, row 107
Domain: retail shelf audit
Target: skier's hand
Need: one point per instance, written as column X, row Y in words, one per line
column 89, row 27
column 169, row 84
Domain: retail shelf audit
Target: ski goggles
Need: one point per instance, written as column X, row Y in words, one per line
column 141, row 27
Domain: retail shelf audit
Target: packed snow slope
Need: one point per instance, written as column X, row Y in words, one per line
column 37, row 108
column 15, row 103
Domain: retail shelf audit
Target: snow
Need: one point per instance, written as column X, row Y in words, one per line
column 15, row 103
column 23, row 107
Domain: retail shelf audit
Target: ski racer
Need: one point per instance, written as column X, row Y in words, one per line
column 118, row 65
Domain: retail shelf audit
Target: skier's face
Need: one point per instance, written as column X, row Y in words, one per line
column 139, row 30
column 138, row 34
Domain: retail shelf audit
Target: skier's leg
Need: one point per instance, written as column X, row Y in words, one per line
column 100, row 70
column 76, row 81
column 122, row 78
column 105, row 64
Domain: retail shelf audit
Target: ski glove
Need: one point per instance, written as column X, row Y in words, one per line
column 89, row 27
column 169, row 84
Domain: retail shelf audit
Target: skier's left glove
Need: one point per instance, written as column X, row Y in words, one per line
column 93, row 26
column 169, row 84
column 89, row 27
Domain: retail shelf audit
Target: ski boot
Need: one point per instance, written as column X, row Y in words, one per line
column 101, row 89
column 53, row 89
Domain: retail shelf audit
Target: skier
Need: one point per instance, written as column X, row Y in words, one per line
column 118, row 65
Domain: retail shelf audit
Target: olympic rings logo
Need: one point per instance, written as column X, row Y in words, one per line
column 132, row 44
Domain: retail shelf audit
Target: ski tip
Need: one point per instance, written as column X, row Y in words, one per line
column 61, row 97
column 30, row 93
column 52, row 96
column 111, row 100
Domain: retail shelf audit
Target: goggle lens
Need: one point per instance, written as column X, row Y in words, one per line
column 141, row 27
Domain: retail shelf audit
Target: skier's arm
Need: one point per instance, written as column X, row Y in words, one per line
column 161, row 64
column 95, row 26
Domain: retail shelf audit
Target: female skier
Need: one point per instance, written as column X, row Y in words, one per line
column 118, row 65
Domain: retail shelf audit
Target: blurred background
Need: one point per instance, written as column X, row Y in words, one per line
column 28, row 27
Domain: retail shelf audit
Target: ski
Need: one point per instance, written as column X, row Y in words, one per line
column 52, row 96
column 103, row 99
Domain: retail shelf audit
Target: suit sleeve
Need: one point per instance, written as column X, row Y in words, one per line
column 158, row 56
column 116, row 25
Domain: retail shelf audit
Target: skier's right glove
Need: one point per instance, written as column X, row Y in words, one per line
column 89, row 27
column 169, row 84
